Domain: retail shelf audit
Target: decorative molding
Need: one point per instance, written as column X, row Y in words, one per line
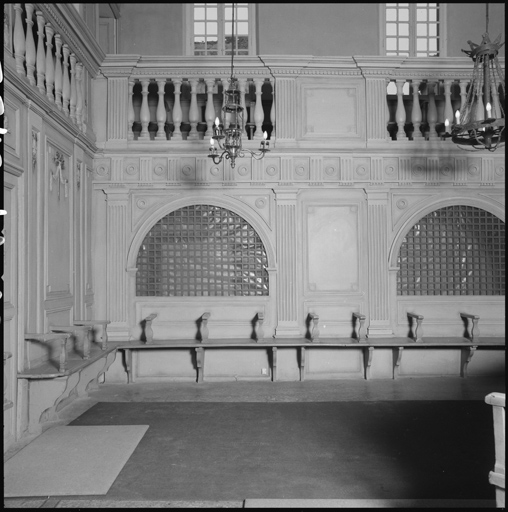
column 57, row 175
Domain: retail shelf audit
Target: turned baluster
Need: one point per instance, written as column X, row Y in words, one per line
column 418, row 332
column 272, row 111
column 41, row 55
column 177, row 110
column 387, row 111
column 50, row 70
column 79, row 93
column 448, row 110
column 241, row 89
column 66, row 86
column 432, row 111
column 84, row 112
column 193, row 110
column 161, row 111
column 259, row 114
column 361, row 328
column 73, row 98
column 19, row 40
column 210, row 109
column 58, row 72
column 400, row 114
column 148, row 328
column 144, row 114
column 130, row 110
column 30, row 45
column 416, row 113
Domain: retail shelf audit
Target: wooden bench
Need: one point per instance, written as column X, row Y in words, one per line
column 312, row 341
column 497, row 477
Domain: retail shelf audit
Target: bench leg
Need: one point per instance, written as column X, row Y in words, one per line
column 200, row 362
column 274, row 364
column 367, row 358
column 396, row 360
column 467, row 355
column 128, row 365
column 302, row 364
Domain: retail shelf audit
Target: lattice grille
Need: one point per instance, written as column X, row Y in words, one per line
column 202, row 250
column 457, row 250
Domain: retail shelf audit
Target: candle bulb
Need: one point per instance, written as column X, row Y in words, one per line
column 457, row 117
column 488, row 108
column 216, row 129
column 447, row 126
column 212, row 144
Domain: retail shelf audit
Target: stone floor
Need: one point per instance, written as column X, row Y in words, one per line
column 436, row 388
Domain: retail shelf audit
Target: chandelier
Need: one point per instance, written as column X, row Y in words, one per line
column 480, row 123
column 229, row 135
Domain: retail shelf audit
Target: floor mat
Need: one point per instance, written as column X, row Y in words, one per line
column 66, row 461
column 311, row 450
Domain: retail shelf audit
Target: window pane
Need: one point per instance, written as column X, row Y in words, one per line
column 421, row 44
column 391, row 15
column 391, row 43
column 199, row 13
column 199, row 28
column 404, row 14
column 421, row 15
column 404, row 44
column 421, row 30
column 432, row 45
column 211, row 28
column 211, row 13
column 242, row 13
column 432, row 15
column 432, row 29
column 404, row 29
column 391, row 29
column 243, row 28
column 243, row 44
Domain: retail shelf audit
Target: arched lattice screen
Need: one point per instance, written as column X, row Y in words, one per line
column 457, row 250
column 202, row 250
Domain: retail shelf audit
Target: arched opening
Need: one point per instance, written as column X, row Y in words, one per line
column 202, row 250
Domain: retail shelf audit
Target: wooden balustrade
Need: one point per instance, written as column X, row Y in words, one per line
column 49, row 64
column 186, row 108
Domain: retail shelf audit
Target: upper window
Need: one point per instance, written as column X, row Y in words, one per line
column 457, row 250
column 413, row 30
column 210, row 29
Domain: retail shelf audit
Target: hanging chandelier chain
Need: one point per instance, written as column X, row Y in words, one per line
column 232, row 36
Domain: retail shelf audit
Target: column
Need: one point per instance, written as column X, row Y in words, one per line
column 41, row 55
column 117, row 282
column 144, row 114
column 19, row 40
column 287, row 279
column 30, row 45
column 58, row 72
column 177, row 110
column 66, row 86
column 259, row 115
column 379, row 292
column 209, row 110
column 161, row 111
column 400, row 114
column 73, row 91
column 286, row 108
column 50, row 67
column 193, row 110
column 416, row 113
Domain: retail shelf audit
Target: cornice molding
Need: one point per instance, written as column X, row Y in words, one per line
column 66, row 21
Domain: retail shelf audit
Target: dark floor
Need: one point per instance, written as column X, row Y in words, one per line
column 450, row 388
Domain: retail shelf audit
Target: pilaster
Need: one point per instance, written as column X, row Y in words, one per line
column 287, row 281
column 117, row 285
column 286, row 109
column 379, row 291
column 117, row 108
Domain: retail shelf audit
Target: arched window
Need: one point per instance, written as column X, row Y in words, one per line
column 457, row 250
column 202, row 250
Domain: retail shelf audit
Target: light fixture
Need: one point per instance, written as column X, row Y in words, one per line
column 229, row 138
column 480, row 123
